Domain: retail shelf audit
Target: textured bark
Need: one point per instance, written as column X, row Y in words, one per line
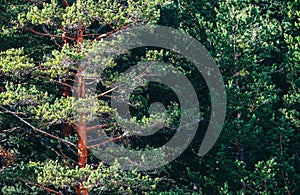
column 81, row 127
column 82, row 152
column 79, row 38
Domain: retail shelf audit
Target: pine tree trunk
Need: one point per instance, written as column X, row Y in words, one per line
column 82, row 134
column 81, row 127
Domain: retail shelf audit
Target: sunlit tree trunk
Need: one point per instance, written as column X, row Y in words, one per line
column 81, row 128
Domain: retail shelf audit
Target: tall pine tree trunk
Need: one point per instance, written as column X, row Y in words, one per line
column 81, row 130
column 81, row 127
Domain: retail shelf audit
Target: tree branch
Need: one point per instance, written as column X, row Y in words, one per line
column 59, row 82
column 8, row 130
column 47, row 34
column 65, row 2
column 107, row 141
column 96, row 127
column 106, row 92
column 111, row 32
column 40, row 186
column 38, row 130
column 35, row 2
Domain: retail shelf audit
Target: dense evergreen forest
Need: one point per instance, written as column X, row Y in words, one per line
column 46, row 145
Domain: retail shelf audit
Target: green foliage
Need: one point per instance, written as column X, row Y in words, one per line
column 99, row 176
column 14, row 61
column 255, row 45
column 60, row 62
column 60, row 110
column 246, row 40
column 116, row 13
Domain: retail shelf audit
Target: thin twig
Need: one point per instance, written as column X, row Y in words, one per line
column 59, row 82
column 96, row 127
column 60, row 153
column 71, row 149
column 88, row 35
column 111, row 32
column 106, row 92
column 20, row 113
column 285, row 183
column 35, row 2
column 265, row 186
column 9, row 130
column 107, row 141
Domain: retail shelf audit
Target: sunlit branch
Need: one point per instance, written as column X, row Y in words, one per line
column 111, row 32
column 106, row 92
column 47, row 34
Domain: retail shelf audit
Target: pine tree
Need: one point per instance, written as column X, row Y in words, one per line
column 41, row 89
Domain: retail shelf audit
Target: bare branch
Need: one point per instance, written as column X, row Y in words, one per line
column 47, row 34
column 40, row 186
column 89, row 35
column 111, row 32
column 285, row 183
column 64, row 156
column 106, row 92
column 59, row 82
column 35, row 2
column 71, row 149
column 38, row 130
column 9, row 130
column 96, row 127
column 107, row 141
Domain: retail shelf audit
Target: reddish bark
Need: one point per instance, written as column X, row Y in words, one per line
column 6, row 158
column 40, row 186
column 67, row 129
column 79, row 38
column 66, row 91
column 81, row 127
column 65, row 2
